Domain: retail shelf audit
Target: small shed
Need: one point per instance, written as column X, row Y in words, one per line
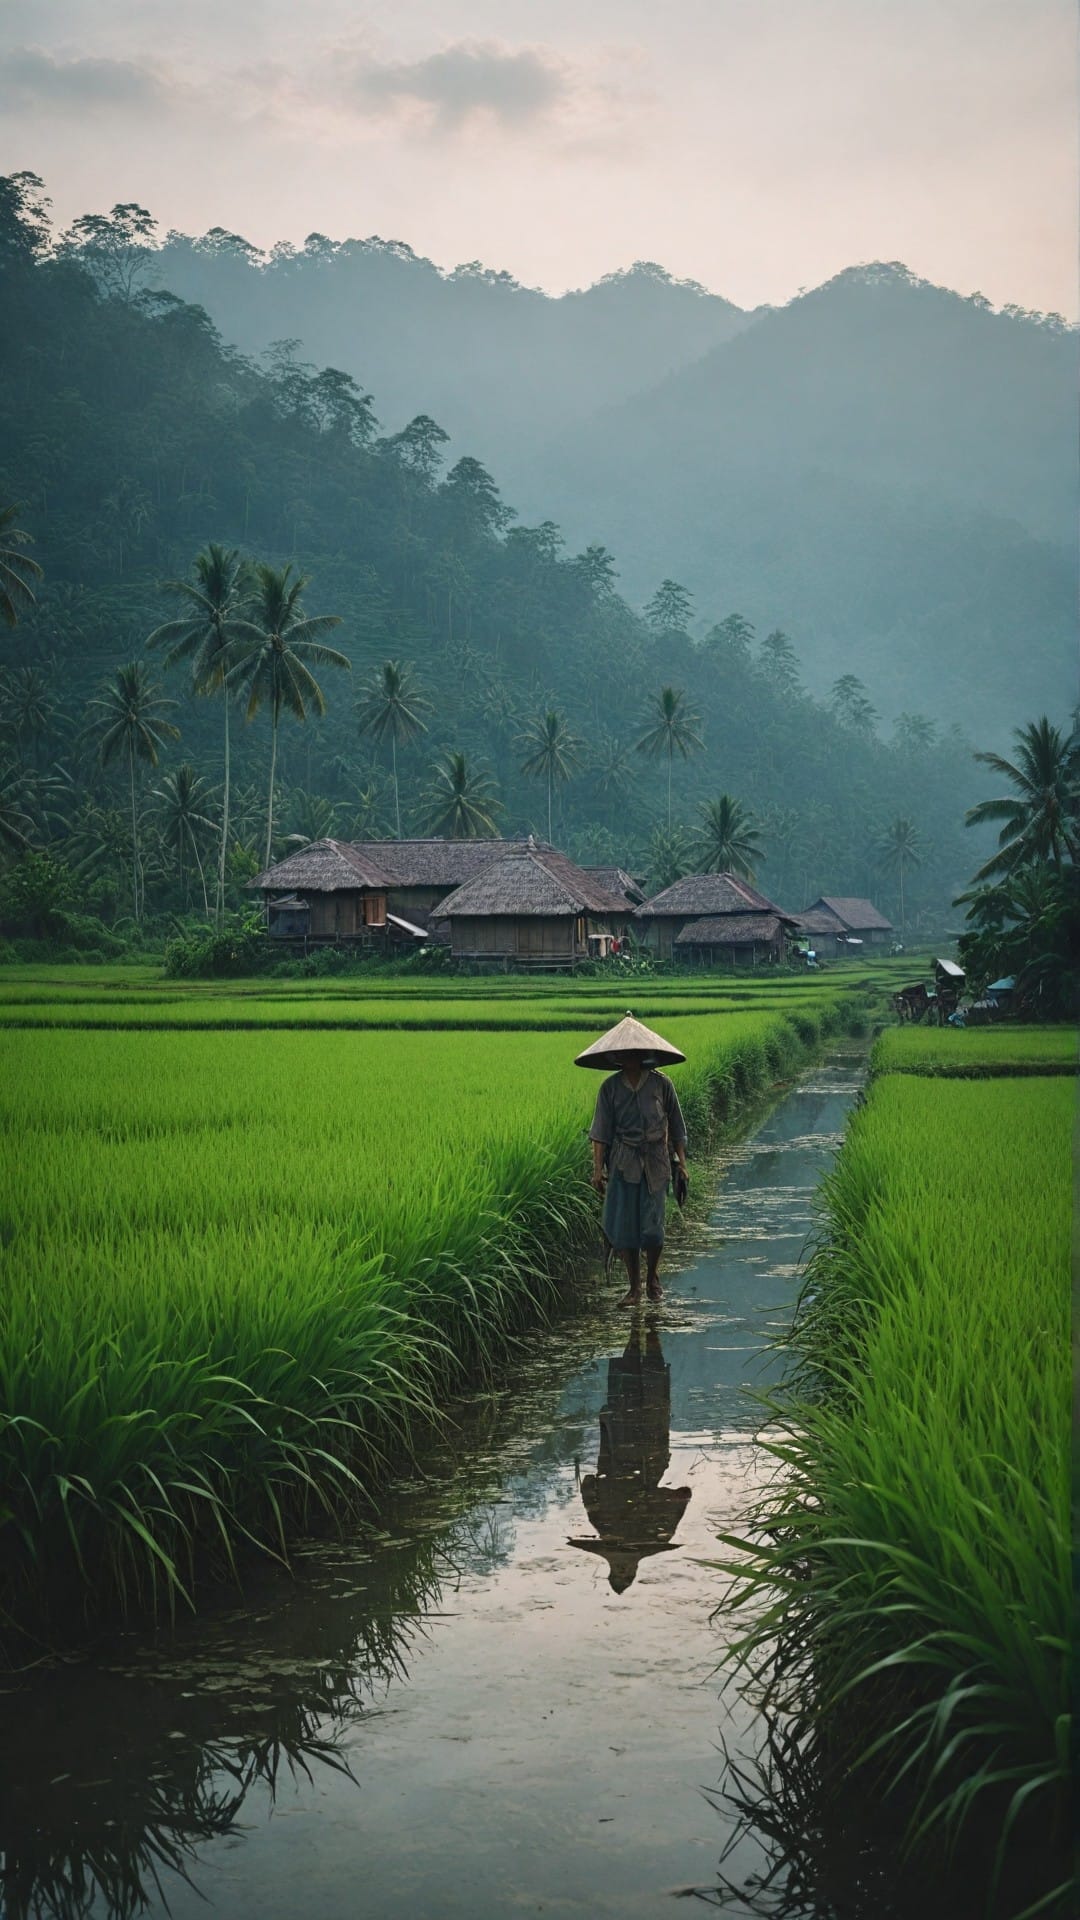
column 823, row 930
column 699, row 897
column 950, row 981
column 858, row 919
column 733, row 940
column 533, row 908
column 342, row 894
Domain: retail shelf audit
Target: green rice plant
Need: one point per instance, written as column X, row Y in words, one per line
column 909, row 1567
column 462, row 1014
column 976, row 1051
column 239, row 1267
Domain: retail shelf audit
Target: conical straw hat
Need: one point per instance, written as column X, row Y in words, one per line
column 630, row 1036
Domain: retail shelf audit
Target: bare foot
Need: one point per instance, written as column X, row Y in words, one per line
column 631, row 1299
column 654, row 1290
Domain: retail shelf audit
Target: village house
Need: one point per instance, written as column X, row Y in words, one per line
column 532, row 908
column 714, row 919
column 733, row 940
column 822, row 932
column 323, row 893
column 853, row 920
column 313, row 894
column 422, row 873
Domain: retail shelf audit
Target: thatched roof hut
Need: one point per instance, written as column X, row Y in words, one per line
column 707, row 893
column 855, row 917
column 712, row 897
column 731, row 930
column 432, row 863
column 333, row 893
column 533, row 907
column 324, row 866
column 736, row 939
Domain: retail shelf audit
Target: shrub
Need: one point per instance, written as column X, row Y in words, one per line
column 239, row 948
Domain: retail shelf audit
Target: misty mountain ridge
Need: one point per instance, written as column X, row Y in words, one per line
column 494, row 362
column 882, row 467
column 874, row 376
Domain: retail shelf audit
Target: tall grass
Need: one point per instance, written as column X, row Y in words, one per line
column 238, row 1269
column 910, row 1566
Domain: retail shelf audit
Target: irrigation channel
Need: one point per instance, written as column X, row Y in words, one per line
column 461, row 1713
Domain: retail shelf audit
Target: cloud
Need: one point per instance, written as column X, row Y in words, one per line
column 36, row 81
column 469, row 79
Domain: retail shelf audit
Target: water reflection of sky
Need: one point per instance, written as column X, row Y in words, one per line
column 456, row 1713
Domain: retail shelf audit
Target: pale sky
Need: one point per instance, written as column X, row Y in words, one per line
column 755, row 145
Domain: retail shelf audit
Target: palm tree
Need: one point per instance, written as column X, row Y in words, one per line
column 311, row 817
column 551, row 753
column 900, row 846
column 132, row 724
column 183, row 794
column 728, row 838
column 1040, row 819
column 668, row 857
column 16, row 568
column 462, row 803
column 673, row 729
column 212, row 621
column 389, row 708
column 275, row 665
column 16, row 820
column 26, row 705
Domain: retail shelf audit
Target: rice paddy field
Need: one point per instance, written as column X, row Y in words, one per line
column 910, row 1566
column 241, row 1267
column 977, row 1051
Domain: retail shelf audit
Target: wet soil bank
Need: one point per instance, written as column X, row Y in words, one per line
column 503, row 1700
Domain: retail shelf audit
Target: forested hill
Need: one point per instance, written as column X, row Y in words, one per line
column 502, row 367
column 132, row 436
column 884, row 465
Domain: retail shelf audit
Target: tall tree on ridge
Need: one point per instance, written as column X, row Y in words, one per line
column 671, row 608
column 215, row 618
column 851, row 705
column 390, row 708
column 275, row 667
column 779, row 661
column 551, row 753
column 673, row 730
column 132, row 724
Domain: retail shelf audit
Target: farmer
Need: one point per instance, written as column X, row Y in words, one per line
column 637, row 1131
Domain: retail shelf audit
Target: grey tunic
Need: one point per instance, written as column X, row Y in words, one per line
column 639, row 1126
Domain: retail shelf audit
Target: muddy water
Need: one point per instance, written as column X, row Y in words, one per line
column 503, row 1701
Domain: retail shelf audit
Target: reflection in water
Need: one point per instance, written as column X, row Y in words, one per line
column 633, row 1514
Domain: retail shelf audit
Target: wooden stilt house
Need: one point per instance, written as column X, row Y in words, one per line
column 324, row 893
column 533, row 909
